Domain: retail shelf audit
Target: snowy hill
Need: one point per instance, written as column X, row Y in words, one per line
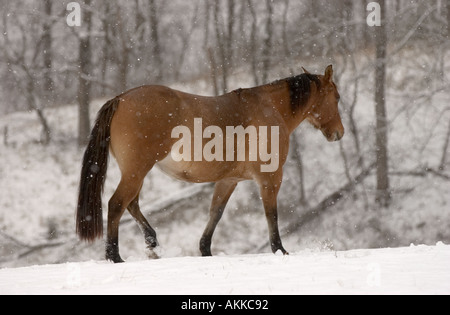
column 412, row 270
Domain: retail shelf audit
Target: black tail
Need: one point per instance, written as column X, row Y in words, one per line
column 93, row 175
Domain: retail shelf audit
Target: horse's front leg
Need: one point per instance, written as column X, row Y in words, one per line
column 270, row 185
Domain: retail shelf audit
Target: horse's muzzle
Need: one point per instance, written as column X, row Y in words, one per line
column 338, row 135
column 335, row 136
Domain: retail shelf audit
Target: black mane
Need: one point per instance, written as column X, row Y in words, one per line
column 300, row 89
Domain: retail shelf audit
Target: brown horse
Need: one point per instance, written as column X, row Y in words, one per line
column 142, row 128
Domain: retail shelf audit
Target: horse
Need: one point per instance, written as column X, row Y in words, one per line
column 139, row 128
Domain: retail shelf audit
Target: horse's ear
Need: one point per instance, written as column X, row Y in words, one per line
column 306, row 71
column 329, row 74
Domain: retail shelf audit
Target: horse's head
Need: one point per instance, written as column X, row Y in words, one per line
column 324, row 114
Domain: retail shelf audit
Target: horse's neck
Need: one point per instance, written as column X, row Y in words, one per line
column 278, row 96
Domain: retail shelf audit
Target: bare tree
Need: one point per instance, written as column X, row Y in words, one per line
column 47, row 51
column 252, row 54
column 23, row 54
column 383, row 193
column 154, row 35
column 443, row 163
column 267, row 48
column 209, row 50
column 448, row 18
column 84, row 82
column 107, row 44
column 224, row 36
column 185, row 41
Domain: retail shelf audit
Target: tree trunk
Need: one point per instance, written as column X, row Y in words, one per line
column 348, row 17
column 253, row 46
column 212, row 62
column 209, row 51
column 383, row 193
column 443, row 163
column 107, row 55
column 267, row 50
column 154, row 35
column 47, row 52
column 33, row 104
column 448, row 18
column 84, row 87
column 220, row 44
column 224, row 36
column 123, row 49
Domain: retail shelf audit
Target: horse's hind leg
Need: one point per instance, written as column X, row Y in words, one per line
column 127, row 191
column 222, row 193
column 147, row 230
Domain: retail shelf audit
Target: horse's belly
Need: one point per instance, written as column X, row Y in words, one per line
column 184, row 171
column 198, row 172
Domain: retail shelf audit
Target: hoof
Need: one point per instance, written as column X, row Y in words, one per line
column 205, row 247
column 281, row 253
column 279, row 248
column 116, row 259
column 112, row 254
column 152, row 253
column 151, row 242
column 152, row 249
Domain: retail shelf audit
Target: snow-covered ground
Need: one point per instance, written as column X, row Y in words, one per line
column 411, row 270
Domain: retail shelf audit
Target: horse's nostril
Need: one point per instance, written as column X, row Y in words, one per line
column 336, row 136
